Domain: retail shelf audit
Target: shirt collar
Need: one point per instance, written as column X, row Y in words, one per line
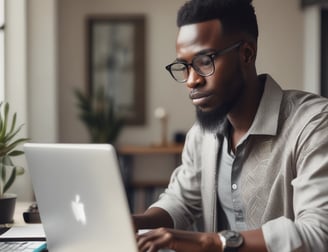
column 267, row 115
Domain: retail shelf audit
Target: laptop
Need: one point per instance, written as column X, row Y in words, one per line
column 81, row 197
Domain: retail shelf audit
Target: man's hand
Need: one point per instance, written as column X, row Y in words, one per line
column 178, row 240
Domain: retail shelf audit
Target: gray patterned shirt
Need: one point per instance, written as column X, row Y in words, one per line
column 283, row 174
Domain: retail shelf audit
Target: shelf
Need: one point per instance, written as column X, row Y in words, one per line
column 145, row 184
column 141, row 193
column 151, row 149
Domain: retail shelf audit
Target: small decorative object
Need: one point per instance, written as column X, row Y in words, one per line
column 98, row 114
column 161, row 114
column 179, row 137
column 8, row 170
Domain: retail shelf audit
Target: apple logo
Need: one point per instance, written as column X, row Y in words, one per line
column 78, row 210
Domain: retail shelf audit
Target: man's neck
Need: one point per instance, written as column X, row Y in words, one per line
column 242, row 117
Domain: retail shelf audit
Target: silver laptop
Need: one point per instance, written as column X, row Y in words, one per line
column 81, row 197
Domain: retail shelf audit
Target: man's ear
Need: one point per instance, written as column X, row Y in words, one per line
column 248, row 52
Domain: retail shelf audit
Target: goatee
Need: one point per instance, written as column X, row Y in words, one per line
column 210, row 120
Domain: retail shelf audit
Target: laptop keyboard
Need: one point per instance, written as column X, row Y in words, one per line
column 24, row 246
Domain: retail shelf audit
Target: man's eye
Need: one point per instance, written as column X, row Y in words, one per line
column 179, row 67
column 203, row 61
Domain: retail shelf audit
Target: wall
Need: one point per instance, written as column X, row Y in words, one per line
column 160, row 89
column 16, row 80
column 42, row 70
column 281, row 41
column 30, row 75
column 312, row 48
column 280, row 53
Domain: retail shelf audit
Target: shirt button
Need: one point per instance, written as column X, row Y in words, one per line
column 234, row 186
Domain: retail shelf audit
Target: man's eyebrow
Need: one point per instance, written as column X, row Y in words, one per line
column 202, row 52
column 206, row 51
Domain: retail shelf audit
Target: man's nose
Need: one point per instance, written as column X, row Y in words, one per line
column 194, row 79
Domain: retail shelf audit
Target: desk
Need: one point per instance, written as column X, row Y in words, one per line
column 127, row 154
column 148, row 190
column 150, row 149
column 23, row 232
column 18, row 216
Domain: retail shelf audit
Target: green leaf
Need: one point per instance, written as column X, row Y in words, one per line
column 7, row 161
column 5, row 120
column 1, row 120
column 16, row 153
column 10, row 135
column 3, row 173
column 10, row 181
column 13, row 123
column 2, row 179
column 12, row 146
column 8, row 148
column 98, row 114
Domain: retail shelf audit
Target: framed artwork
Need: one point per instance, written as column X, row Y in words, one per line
column 116, row 63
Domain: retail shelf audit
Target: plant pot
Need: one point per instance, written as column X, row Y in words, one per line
column 7, row 208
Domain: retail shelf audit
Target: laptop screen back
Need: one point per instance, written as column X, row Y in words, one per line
column 81, row 197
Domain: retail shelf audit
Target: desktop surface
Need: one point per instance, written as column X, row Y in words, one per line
column 31, row 230
column 19, row 234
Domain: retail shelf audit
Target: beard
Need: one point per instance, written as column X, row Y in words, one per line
column 211, row 120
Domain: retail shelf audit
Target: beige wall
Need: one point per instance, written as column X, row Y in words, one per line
column 30, row 74
column 280, row 53
column 16, row 81
column 160, row 89
column 281, row 41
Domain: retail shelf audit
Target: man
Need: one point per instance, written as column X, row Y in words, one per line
column 254, row 167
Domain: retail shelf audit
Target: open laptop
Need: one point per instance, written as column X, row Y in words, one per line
column 81, row 197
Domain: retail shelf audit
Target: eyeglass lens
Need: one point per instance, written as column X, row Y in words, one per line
column 179, row 71
column 203, row 65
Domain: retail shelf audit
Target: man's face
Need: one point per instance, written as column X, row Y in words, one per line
column 216, row 95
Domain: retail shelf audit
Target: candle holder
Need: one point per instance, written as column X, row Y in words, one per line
column 161, row 114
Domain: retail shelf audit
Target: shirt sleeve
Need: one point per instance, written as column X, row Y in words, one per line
column 281, row 235
column 182, row 198
column 309, row 231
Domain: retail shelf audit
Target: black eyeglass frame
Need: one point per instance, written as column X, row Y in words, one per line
column 212, row 56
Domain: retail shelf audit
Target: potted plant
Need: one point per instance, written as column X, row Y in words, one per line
column 8, row 170
column 98, row 114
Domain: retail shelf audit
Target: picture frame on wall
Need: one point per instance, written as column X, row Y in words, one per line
column 116, row 63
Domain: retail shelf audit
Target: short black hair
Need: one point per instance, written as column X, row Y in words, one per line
column 235, row 15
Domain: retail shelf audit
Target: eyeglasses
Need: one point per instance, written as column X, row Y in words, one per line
column 203, row 64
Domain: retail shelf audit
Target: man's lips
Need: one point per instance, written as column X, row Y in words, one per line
column 199, row 98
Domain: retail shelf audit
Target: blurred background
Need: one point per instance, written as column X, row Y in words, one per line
column 45, row 56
